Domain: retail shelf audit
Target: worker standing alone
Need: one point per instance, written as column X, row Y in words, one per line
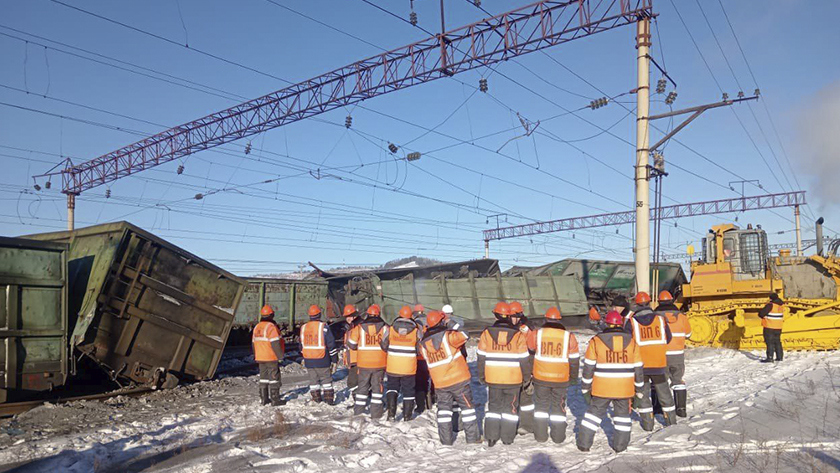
column 675, row 351
column 451, row 377
column 268, row 353
column 351, row 320
column 556, row 365
column 652, row 334
column 371, row 361
column 526, row 397
column 504, row 367
column 612, row 374
column 772, row 318
column 319, row 353
column 401, row 342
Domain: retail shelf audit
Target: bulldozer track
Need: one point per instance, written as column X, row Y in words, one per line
column 14, row 408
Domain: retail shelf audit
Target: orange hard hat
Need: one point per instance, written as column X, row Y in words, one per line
column 349, row 310
column 434, row 317
column 642, row 298
column 502, row 308
column 266, row 311
column 553, row 313
column 614, row 318
column 515, row 308
column 314, row 310
column 374, row 310
column 419, row 308
column 594, row 315
column 405, row 312
column 665, row 296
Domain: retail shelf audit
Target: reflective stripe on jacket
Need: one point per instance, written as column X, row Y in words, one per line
column 441, row 349
column 556, row 354
column 267, row 342
column 680, row 330
column 312, row 339
column 612, row 366
column 652, row 339
column 400, row 342
column 365, row 338
column 775, row 319
column 503, row 355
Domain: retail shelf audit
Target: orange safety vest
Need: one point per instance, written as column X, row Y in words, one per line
column 680, row 330
column 446, row 365
column 615, row 369
column 652, row 341
column 402, row 352
column 312, row 340
column 264, row 333
column 502, row 357
column 553, row 347
column 370, row 354
column 775, row 319
column 350, row 355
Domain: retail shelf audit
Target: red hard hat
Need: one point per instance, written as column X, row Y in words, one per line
column 553, row 313
column 515, row 308
column 419, row 308
column 434, row 317
column 405, row 312
column 502, row 308
column 314, row 310
column 594, row 315
column 266, row 311
column 642, row 298
column 665, row 296
column 349, row 310
column 614, row 318
column 374, row 310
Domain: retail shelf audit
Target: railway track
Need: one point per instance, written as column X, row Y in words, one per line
column 14, row 408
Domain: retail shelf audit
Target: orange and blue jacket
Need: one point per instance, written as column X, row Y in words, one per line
column 401, row 343
column 651, row 333
column 612, row 365
column 442, row 351
column 365, row 338
column 267, row 342
column 503, row 358
column 556, row 354
column 680, row 328
column 772, row 316
column 317, row 345
column 349, row 355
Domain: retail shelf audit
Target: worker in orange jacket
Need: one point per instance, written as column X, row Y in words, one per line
column 451, row 377
column 675, row 351
column 351, row 320
column 612, row 374
column 556, row 365
column 651, row 332
column 526, row 397
column 268, row 353
column 401, row 341
column 422, row 385
column 772, row 318
column 371, row 361
column 504, row 367
column 319, row 356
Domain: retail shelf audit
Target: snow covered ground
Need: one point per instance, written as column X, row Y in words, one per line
column 744, row 416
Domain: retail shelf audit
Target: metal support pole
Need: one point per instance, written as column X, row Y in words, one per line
column 71, row 211
column 642, row 250
column 486, row 249
column 798, row 231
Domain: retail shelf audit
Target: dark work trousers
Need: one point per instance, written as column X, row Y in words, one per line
column 550, row 410
column 595, row 414
column 401, row 384
column 502, row 416
column 663, row 393
column 270, row 380
column 370, row 381
column 352, row 381
column 676, row 372
column 421, row 385
column 773, row 340
column 320, row 385
column 526, row 407
column 447, row 398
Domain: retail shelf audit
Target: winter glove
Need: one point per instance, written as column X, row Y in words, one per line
column 587, row 397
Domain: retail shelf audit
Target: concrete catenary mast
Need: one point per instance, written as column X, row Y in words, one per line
column 642, row 246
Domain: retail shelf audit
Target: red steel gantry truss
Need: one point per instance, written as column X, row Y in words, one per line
column 484, row 43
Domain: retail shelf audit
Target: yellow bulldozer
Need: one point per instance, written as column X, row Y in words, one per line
column 734, row 277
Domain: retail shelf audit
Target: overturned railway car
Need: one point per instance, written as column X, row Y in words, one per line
column 143, row 309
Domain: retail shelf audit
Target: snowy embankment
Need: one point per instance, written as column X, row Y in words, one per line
column 744, row 416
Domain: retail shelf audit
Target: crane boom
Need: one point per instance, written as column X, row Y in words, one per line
column 484, row 43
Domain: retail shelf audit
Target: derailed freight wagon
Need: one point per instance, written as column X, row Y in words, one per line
column 33, row 316
column 290, row 299
column 144, row 309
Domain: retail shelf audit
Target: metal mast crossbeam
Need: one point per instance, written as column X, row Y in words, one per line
column 738, row 204
column 527, row 29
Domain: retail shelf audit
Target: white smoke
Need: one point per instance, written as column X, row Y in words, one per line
column 819, row 144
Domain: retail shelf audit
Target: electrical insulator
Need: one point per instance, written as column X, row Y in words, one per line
column 392, row 147
column 412, row 18
column 180, row 169
column 757, row 92
column 660, row 86
column 348, row 122
column 482, row 84
column 248, row 148
column 740, row 94
column 477, row 3
column 199, row 196
column 725, row 96
column 37, row 187
column 598, row 103
column 412, row 156
column 107, row 193
column 671, row 98
column 48, row 184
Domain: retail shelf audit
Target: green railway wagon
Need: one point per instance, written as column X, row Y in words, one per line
column 33, row 316
column 144, row 309
column 290, row 299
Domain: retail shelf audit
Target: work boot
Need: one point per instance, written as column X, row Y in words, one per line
column 316, row 395
column 264, row 394
column 766, row 360
column 680, row 400
column 329, row 397
column 391, row 404
column 670, row 418
column 421, row 402
column 276, row 400
column 654, row 400
column 408, row 410
column 490, row 443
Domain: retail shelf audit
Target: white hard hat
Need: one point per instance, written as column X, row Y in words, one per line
column 447, row 309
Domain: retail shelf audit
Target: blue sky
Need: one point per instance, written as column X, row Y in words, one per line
column 383, row 209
